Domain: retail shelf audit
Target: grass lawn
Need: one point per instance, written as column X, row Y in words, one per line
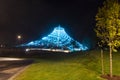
column 80, row 66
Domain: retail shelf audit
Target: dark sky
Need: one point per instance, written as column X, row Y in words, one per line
column 34, row 19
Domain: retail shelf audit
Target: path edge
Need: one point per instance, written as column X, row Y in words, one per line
column 19, row 72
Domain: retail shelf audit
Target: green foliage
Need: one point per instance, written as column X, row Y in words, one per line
column 108, row 26
column 108, row 23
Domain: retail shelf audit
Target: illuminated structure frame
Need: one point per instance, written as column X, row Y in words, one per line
column 58, row 39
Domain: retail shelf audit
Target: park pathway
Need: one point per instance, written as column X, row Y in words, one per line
column 11, row 66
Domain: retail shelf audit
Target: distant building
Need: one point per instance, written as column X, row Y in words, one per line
column 56, row 41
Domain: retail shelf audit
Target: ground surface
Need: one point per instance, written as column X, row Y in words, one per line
column 11, row 66
column 53, row 66
column 80, row 66
column 115, row 77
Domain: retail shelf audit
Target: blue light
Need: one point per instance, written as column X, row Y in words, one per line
column 31, row 43
column 58, row 39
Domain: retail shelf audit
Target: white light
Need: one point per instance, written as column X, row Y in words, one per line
column 27, row 50
column 66, row 51
column 19, row 37
column 9, row 59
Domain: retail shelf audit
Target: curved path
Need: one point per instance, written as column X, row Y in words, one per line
column 10, row 66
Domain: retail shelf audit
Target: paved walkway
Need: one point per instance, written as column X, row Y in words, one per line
column 10, row 66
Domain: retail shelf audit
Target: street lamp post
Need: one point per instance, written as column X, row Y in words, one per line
column 19, row 37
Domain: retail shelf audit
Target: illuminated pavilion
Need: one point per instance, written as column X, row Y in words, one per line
column 57, row 40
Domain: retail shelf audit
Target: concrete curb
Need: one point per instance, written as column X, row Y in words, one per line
column 19, row 72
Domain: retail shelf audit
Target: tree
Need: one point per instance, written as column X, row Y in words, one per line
column 100, row 44
column 108, row 26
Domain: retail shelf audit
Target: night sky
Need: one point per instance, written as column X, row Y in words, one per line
column 34, row 19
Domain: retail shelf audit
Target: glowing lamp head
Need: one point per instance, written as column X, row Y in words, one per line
column 19, row 37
